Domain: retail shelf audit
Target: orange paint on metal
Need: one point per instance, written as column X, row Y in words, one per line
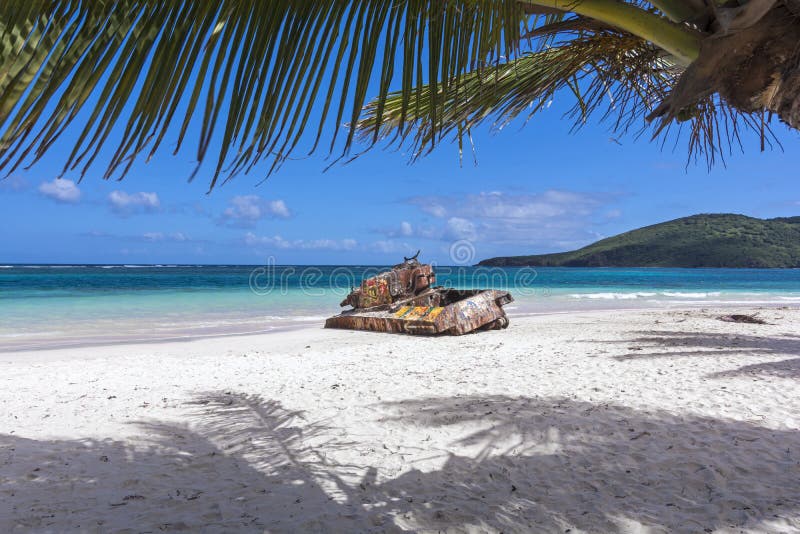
column 402, row 300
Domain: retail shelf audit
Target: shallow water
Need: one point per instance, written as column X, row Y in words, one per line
column 56, row 305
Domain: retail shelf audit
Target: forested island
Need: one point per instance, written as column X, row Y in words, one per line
column 705, row 240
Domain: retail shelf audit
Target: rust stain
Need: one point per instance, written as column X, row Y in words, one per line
column 404, row 300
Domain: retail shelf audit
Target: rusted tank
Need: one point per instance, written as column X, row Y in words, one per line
column 404, row 300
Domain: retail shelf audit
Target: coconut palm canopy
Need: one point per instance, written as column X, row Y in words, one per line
column 271, row 77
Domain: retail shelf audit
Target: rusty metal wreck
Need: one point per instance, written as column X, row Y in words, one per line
column 404, row 300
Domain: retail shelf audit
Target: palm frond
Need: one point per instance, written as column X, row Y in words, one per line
column 714, row 128
column 606, row 69
column 262, row 69
column 612, row 75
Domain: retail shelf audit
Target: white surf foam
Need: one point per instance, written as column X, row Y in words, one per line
column 645, row 295
column 612, row 296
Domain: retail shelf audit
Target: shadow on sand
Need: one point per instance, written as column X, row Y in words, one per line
column 241, row 463
column 717, row 344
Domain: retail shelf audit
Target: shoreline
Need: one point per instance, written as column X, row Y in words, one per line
column 294, row 325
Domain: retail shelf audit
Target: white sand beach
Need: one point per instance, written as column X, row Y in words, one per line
column 645, row 421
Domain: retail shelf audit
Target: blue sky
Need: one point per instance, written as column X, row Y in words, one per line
column 534, row 189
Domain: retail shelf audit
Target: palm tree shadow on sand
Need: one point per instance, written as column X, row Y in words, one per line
column 246, row 464
column 240, row 463
column 557, row 464
column 652, row 344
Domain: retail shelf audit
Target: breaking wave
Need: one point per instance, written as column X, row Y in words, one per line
column 645, row 294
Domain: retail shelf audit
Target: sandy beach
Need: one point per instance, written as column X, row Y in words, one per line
column 627, row 421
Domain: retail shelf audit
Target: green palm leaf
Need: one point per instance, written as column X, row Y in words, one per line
column 608, row 69
column 259, row 74
column 606, row 72
column 257, row 68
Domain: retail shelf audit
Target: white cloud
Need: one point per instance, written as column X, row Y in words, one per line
column 497, row 220
column 278, row 208
column 406, row 229
column 127, row 203
column 61, row 190
column 244, row 207
column 459, row 228
column 246, row 210
column 277, row 241
column 150, row 237
column 548, row 205
column 497, row 205
column 433, row 208
column 177, row 237
column 14, row 184
column 388, row 246
column 153, row 236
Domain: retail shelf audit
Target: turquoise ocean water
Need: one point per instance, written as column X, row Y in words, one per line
column 62, row 305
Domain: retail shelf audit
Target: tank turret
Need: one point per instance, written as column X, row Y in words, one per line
column 403, row 281
column 404, row 300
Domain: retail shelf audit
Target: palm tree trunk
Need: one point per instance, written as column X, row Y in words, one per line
column 753, row 69
column 680, row 10
column 679, row 40
column 784, row 101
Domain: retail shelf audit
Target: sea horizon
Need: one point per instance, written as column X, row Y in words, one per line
column 8, row 265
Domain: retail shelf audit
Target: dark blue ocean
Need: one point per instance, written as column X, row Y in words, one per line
column 42, row 305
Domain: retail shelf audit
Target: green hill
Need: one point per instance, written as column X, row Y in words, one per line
column 707, row 240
